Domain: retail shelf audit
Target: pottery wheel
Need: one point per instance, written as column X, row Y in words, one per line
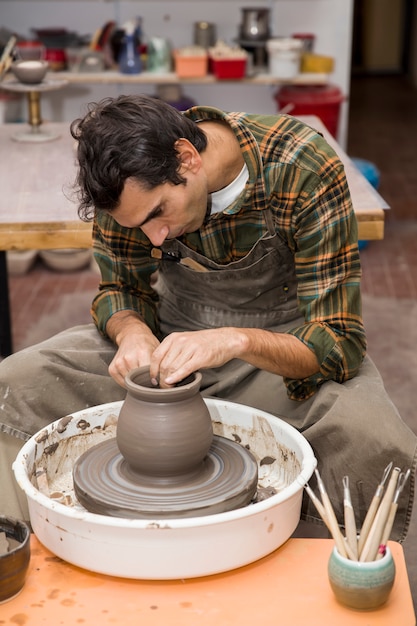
column 105, row 484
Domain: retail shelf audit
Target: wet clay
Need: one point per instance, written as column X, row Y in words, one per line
column 104, row 483
column 163, row 432
column 165, row 460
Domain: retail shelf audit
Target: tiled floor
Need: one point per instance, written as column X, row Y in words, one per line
column 383, row 130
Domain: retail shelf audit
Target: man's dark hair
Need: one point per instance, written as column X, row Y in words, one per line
column 128, row 137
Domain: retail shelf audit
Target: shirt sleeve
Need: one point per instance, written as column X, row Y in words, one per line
column 123, row 256
column 324, row 238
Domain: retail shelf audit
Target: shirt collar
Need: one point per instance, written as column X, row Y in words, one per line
column 250, row 152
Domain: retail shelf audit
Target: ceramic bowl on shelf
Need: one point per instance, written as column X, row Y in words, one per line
column 30, row 72
column 66, row 259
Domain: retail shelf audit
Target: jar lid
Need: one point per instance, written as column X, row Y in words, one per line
column 284, row 43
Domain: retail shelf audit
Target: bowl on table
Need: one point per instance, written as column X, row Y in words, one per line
column 30, row 72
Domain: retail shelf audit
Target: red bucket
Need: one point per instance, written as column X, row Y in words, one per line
column 323, row 101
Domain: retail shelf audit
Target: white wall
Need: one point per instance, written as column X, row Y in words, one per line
column 329, row 20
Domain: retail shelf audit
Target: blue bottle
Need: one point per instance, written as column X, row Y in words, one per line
column 129, row 58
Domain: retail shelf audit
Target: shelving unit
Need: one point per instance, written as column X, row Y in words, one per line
column 111, row 77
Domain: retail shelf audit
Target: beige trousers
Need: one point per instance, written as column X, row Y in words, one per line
column 353, row 428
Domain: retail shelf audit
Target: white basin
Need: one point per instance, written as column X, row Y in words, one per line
column 174, row 548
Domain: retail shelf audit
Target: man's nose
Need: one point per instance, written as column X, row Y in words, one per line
column 155, row 234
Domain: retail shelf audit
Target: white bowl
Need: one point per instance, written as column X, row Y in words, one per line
column 170, row 548
column 66, row 259
column 30, row 72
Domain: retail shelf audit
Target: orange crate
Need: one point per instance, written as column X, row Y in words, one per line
column 187, row 66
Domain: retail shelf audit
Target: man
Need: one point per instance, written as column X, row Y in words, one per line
column 227, row 244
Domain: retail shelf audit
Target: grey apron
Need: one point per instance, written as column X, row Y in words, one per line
column 339, row 421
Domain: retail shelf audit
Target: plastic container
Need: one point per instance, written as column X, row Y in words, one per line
column 189, row 66
column 307, row 39
column 184, row 547
column 323, row 101
column 228, row 68
column 369, row 170
column 284, row 57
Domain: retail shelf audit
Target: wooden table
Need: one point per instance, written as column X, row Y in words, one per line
column 290, row 586
column 36, row 211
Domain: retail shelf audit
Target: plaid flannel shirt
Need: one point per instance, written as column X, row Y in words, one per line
column 294, row 172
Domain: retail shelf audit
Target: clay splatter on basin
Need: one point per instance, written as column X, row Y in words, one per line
column 166, row 549
column 277, row 464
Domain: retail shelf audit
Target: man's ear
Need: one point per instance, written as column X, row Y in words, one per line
column 189, row 156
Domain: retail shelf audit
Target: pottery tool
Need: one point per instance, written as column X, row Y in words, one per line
column 370, row 515
column 6, row 57
column 350, row 524
column 317, row 503
column 392, row 513
column 333, row 526
column 157, row 253
column 373, row 541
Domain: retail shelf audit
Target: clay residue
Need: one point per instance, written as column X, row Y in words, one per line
column 278, row 466
column 60, row 451
column 63, row 423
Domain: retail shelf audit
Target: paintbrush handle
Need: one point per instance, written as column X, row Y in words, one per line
column 370, row 516
column 388, row 528
column 333, row 525
column 323, row 514
column 350, row 525
column 317, row 504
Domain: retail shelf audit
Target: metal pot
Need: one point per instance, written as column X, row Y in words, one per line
column 255, row 24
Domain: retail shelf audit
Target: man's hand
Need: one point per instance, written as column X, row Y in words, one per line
column 136, row 344
column 181, row 354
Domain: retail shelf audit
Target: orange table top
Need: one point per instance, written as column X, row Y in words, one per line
column 290, row 586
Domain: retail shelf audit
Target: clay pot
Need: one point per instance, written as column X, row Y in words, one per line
column 14, row 562
column 164, row 433
column 361, row 585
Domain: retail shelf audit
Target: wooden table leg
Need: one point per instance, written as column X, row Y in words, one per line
column 5, row 321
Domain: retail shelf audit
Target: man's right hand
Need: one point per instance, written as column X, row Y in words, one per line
column 136, row 343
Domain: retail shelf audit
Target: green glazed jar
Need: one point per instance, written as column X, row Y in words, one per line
column 358, row 585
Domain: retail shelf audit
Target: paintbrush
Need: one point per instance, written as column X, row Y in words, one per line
column 370, row 515
column 373, row 541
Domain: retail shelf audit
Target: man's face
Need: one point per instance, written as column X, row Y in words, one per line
column 165, row 212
